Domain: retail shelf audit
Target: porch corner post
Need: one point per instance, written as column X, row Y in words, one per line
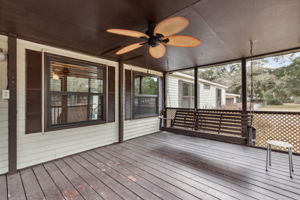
column 164, row 98
column 12, row 105
column 244, row 99
column 121, row 99
column 196, row 88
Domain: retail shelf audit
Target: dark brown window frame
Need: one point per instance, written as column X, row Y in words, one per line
column 50, row 57
column 134, row 74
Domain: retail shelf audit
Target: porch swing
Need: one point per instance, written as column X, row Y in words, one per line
column 221, row 125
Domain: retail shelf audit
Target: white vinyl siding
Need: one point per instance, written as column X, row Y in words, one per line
column 172, row 92
column 207, row 96
column 140, row 127
column 37, row 148
column 3, row 111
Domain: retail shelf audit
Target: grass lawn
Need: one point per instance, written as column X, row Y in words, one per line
column 285, row 107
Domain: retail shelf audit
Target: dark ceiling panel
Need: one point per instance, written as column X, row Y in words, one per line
column 225, row 27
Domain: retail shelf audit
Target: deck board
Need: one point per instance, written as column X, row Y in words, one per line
column 101, row 175
column 3, row 187
column 15, row 187
column 127, row 182
column 82, row 186
column 48, row 186
column 121, row 168
column 32, row 188
column 104, row 191
column 158, row 166
column 63, row 184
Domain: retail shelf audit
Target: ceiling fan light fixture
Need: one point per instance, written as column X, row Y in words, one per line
column 159, row 35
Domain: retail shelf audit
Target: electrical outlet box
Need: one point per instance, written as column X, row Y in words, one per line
column 5, row 94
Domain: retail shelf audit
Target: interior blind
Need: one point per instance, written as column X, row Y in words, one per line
column 33, row 91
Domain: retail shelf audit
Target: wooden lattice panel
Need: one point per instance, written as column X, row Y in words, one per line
column 277, row 126
column 170, row 115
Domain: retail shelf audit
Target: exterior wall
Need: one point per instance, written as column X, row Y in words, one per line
column 38, row 147
column 172, row 92
column 3, row 111
column 207, row 96
column 139, row 127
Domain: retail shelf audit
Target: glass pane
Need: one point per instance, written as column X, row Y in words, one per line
column 220, row 87
column 56, row 109
column 145, row 106
column 276, row 83
column 55, row 84
column 77, row 100
column 146, row 85
column 95, row 107
column 55, row 80
column 76, row 84
column 137, row 84
column 185, row 89
column 75, row 77
column 77, row 108
column 56, row 100
column 96, row 86
column 150, row 85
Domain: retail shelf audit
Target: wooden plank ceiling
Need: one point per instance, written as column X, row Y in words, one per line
column 225, row 27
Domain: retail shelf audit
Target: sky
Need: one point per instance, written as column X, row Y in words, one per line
column 285, row 60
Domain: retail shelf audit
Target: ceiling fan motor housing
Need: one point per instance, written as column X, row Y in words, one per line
column 154, row 40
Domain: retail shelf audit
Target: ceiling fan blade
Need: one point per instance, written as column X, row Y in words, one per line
column 157, row 52
column 171, row 26
column 183, row 41
column 129, row 33
column 130, row 48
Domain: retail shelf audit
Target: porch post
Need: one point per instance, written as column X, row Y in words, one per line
column 121, row 99
column 244, row 99
column 164, row 98
column 196, row 87
column 12, row 105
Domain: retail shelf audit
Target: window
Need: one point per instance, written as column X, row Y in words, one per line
column 145, row 101
column 188, row 94
column 75, row 92
column 180, row 89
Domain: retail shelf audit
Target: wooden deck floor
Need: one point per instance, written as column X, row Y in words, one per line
column 158, row 166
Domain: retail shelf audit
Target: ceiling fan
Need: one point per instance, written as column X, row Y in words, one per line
column 157, row 36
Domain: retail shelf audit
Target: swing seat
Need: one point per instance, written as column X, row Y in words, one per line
column 218, row 125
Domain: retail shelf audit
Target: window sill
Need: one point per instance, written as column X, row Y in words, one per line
column 74, row 125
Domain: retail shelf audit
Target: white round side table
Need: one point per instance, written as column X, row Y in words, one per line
column 278, row 143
